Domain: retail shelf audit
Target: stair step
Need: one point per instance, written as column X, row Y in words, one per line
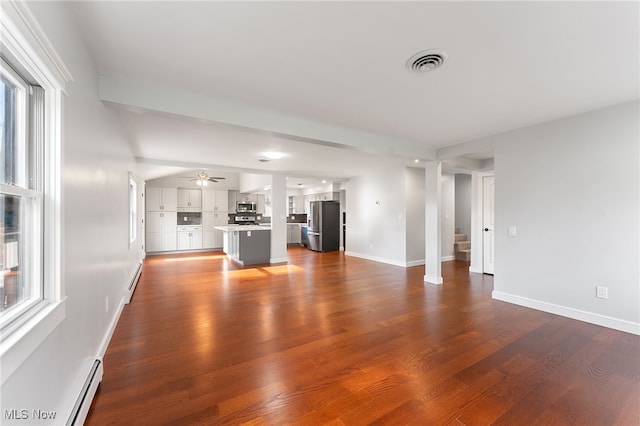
column 460, row 237
column 464, row 255
column 461, row 245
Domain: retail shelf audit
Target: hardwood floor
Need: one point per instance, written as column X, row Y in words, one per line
column 329, row 339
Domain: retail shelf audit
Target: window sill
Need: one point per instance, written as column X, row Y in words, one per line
column 19, row 345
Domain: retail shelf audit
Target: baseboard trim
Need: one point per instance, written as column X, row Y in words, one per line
column 447, row 258
column 87, row 393
column 128, row 292
column 413, row 263
column 278, row 261
column 475, row 270
column 577, row 314
column 432, row 279
column 376, row 259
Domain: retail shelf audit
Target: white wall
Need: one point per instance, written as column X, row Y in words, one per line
column 448, row 216
column 97, row 262
column 463, row 203
column 571, row 187
column 376, row 220
column 250, row 182
column 230, row 183
column 414, row 195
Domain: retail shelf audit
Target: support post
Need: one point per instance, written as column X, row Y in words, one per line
column 433, row 229
column 278, row 218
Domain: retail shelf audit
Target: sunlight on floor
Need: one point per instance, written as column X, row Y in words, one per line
column 186, row 259
column 262, row 271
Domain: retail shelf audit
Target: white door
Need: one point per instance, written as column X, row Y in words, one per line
column 487, row 224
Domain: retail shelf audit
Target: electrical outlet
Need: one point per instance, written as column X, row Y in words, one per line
column 602, row 292
column 106, row 304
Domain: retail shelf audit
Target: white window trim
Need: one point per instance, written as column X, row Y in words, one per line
column 133, row 210
column 23, row 38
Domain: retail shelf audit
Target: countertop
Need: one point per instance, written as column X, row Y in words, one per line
column 228, row 228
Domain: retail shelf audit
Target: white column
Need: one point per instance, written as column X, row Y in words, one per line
column 278, row 218
column 433, row 207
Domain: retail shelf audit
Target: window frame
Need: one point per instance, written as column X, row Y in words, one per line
column 133, row 210
column 29, row 162
column 24, row 45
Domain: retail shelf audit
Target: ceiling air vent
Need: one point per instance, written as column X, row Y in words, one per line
column 426, row 60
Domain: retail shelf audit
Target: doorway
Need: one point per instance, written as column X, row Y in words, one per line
column 488, row 215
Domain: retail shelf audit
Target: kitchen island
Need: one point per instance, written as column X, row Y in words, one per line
column 246, row 244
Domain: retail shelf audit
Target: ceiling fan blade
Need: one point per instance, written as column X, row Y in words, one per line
column 216, row 177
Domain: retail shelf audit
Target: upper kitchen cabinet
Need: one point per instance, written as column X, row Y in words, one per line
column 189, row 200
column 215, row 201
column 161, row 199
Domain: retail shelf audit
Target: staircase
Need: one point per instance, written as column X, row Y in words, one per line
column 462, row 246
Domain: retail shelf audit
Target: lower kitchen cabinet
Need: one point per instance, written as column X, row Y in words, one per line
column 161, row 231
column 161, row 241
column 293, row 233
column 189, row 238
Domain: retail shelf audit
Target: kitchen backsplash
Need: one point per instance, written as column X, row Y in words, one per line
column 185, row 218
column 297, row 218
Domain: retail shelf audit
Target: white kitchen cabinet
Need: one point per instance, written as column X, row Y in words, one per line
column 213, row 201
column 248, row 197
column 233, row 201
column 189, row 238
column 161, row 199
column 189, row 200
column 212, row 238
column 260, row 203
column 293, row 233
column 161, row 231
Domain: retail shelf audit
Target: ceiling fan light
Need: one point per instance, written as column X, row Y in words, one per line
column 199, row 182
column 204, row 183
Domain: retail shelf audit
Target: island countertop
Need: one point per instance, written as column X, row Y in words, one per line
column 229, row 228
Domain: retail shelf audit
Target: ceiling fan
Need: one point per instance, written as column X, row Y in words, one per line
column 203, row 178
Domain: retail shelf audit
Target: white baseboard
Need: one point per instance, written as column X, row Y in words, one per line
column 86, row 392
column 413, row 263
column 376, row 259
column 128, row 291
column 447, row 258
column 577, row 314
column 432, row 279
column 278, row 261
column 476, row 270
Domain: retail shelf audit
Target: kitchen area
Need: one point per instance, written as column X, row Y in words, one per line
column 239, row 224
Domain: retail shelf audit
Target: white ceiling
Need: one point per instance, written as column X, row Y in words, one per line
column 510, row 65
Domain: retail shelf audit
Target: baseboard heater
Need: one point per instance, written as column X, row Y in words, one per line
column 81, row 408
column 134, row 283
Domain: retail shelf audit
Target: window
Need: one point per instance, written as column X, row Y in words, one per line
column 32, row 84
column 133, row 208
column 21, row 196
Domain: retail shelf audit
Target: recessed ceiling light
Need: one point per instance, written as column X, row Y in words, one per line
column 324, row 181
column 273, row 155
column 416, row 161
column 426, row 60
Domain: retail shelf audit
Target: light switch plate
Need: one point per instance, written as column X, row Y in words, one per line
column 513, row 231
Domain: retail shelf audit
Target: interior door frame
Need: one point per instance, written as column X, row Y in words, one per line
column 476, row 237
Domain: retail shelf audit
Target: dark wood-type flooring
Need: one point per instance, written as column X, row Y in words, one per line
column 332, row 339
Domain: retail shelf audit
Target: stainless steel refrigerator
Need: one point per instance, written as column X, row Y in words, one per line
column 323, row 231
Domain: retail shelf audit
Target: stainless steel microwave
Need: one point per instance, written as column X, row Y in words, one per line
column 246, row 206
